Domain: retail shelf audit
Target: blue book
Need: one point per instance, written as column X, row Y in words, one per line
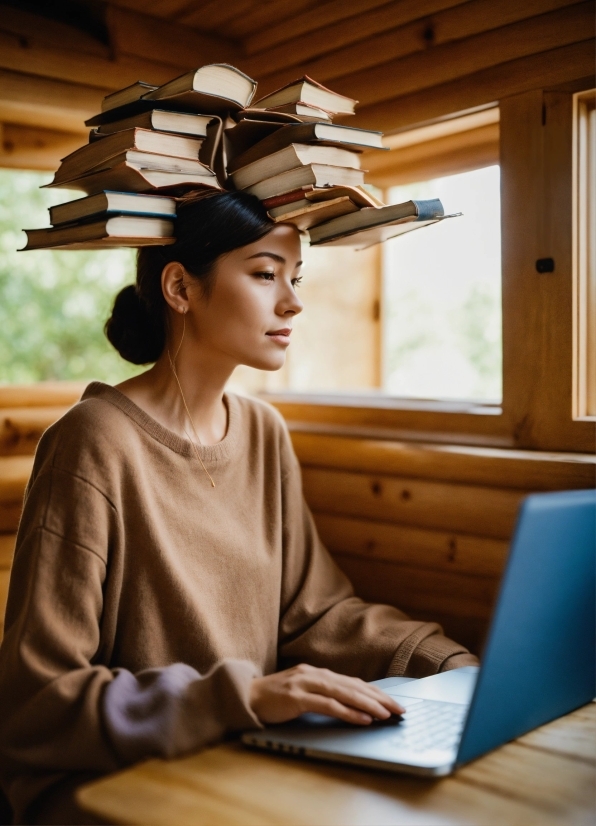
column 108, row 202
column 372, row 225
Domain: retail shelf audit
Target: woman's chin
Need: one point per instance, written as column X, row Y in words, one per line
column 270, row 364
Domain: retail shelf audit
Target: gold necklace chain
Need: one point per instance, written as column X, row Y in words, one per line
column 172, row 365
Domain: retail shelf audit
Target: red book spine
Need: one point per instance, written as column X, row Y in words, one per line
column 288, row 198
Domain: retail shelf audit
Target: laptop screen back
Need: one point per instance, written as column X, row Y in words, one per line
column 540, row 658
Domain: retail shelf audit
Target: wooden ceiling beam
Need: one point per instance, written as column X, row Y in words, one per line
column 460, row 152
column 265, row 15
column 388, row 43
column 464, row 57
column 548, row 68
column 90, row 70
column 328, row 42
column 323, row 14
column 28, row 147
column 53, row 104
column 47, row 32
column 132, row 33
column 214, row 14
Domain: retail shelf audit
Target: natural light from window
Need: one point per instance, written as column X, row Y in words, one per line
column 442, row 295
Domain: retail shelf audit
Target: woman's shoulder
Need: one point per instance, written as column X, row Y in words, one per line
column 257, row 412
column 92, row 429
column 266, row 429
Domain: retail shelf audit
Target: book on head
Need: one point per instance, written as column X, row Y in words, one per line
column 127, row 95
column 309, row 175
column 214, row 88
column 160, row 120
column 371, row 226
column 304, row 111
column 294, row 155
column 101, row 151
column 322, row 133
column 308, row 91
column 109, row 202
column 124, row 230
column 128, row 177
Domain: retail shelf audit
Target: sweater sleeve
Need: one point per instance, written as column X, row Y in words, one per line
column 63, row 708
column 324, row 624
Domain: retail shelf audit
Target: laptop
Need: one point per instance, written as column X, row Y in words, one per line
column 539, row 660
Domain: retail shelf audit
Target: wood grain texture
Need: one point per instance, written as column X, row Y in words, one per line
column 14, row 473
column 548, row 68
column 21, row 428
column 29, row 147
column 311, row 51
column 42, row 394
column 525, row 470
column 480, row 511
column 32, row 28
column 4, row 580
column 147, row 37
column 415, row 547
column 388, row 33
column 573, row 735
column 395, row 418
column 428, row 593
column 569, row 793
column 263, row 15
column 536, row 148
column 516, row 785
column 7, row 543
column 323, row 14
column 47, row 103
column 62, row 64
column 461, row 58
column 444, row 156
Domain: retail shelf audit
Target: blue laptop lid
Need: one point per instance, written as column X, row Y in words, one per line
column 540, row 657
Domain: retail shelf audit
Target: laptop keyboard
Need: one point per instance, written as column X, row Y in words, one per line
column 428, row 724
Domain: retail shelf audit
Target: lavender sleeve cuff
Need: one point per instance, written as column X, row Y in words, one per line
column 166, row 712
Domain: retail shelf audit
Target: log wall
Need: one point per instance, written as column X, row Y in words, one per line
column 425, row 527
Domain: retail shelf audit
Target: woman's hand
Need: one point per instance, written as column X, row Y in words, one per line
column 287, row 694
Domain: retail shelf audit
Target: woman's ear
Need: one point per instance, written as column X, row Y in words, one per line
column 174, row 279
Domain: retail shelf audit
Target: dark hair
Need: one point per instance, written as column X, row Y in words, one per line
column 208, row 224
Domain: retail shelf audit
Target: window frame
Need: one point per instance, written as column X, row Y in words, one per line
column 537, row 157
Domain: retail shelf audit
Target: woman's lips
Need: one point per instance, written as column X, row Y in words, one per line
column 281, row 336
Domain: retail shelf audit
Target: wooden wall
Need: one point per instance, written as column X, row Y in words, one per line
column 424, row 527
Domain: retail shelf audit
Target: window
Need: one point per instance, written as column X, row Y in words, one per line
column 442, row 294
column 53, row 303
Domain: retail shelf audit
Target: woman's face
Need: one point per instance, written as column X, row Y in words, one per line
column 248, row 316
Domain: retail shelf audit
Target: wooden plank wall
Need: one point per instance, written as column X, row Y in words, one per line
column 424, row 527
column 406, row 62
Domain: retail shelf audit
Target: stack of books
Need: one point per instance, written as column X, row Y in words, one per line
column 152, row 144
column 287, row 151
column 147, row 143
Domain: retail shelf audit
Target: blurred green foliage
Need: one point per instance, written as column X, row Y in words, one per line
column 53, row 305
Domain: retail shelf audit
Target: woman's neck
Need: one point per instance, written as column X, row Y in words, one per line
column 201, row 387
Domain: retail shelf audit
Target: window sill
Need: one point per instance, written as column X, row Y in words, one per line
column 376, row 416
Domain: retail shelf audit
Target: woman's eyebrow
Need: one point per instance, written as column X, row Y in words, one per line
column 274, row 256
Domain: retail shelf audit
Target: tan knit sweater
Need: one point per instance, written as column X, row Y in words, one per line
column 143, row 601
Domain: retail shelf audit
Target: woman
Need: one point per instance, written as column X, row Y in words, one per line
column 169, row 586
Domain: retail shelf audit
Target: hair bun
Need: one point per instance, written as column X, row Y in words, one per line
column 132, row 331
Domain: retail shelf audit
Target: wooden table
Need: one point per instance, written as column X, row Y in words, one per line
column 546, row 777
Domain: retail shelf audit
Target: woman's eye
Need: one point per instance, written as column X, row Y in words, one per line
column 268, row 276
column 296, row 282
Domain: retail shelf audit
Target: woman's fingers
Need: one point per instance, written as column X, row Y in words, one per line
column 284, row 695
column 351, row 692
column 333, row 708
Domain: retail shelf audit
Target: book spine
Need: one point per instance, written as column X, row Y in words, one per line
column 288, row 198
column 427, row 210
